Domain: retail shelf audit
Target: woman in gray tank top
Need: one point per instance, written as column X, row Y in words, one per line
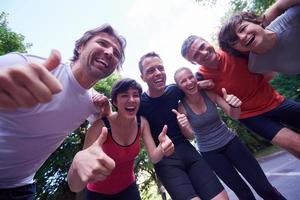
column 225, row 153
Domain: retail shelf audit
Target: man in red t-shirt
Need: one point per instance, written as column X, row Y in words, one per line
column 264, row 110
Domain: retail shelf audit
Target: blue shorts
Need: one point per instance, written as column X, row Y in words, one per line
column 270, row 123
column 131, row 192
column 26, row 192
column 185, row 174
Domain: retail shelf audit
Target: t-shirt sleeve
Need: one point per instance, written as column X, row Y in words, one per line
column 11, row 59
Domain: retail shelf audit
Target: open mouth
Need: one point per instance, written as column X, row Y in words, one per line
column 99, row 61
column 130, row 109
column 252, row 38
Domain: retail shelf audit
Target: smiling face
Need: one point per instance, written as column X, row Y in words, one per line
column 128, row 103
column 186, row 81
column 250, row 37
column 100, row 56
column 202, row 53
column 153, row 73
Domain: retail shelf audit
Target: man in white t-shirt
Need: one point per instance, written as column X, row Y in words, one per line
column 43, row 100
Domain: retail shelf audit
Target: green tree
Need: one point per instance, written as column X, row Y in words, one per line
column 10, row 41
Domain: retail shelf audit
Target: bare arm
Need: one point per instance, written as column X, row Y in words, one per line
column 183, row 122
column 277, row 9
column 165, row 147
column 229, row 103
column 91, row 164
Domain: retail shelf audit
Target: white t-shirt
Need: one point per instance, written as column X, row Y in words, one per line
column 29, row 136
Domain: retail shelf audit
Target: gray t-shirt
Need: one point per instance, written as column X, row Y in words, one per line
column 211, row 132
column 284, row 57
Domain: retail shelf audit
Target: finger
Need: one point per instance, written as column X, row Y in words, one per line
column 108, row 164
column 224, row 93
column 53, row 60
column 163, row 133
column 102, row 137
column 31, row 82
column 175, row 112
column 7, row 103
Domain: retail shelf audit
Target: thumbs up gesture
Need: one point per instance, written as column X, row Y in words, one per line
column 181, row 118
column 24, row 86
column 165, row 142
column 93, row 164
column 231, row 99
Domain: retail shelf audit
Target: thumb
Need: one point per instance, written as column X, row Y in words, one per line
column 53, row 60
column 175, row 112
column 224, row 93
column 163, row 133
column 102, row 137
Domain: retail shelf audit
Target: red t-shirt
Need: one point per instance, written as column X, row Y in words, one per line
column 254, row 90
column 123, row 174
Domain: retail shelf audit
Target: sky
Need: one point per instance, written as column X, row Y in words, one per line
column 147, row 25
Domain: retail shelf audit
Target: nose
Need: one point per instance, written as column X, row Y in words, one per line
column 108, row 51
column 157, row 71
column 131, row 98
column 242, row 37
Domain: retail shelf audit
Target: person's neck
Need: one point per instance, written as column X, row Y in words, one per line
column 192, row 98
column 123, row 121
column 83, row 79
column 155, row 93
column 269, row 42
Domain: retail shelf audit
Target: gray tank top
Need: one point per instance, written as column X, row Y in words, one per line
column 210, row 131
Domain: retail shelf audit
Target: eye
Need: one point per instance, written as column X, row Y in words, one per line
column 150, row 71
column 117, row 54
column 161, row 68
column 242, row 28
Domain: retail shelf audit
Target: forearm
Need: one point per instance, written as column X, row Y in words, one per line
column 277, row 9
column 234, row 112
column 188, row 132
column 74, row 181
column 156, row 155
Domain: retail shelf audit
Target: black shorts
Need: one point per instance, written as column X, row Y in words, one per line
column 185, row 174
column 131, row 192
column 270, row 123
column 26, row 192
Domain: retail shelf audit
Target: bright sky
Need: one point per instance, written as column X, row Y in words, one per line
column 148, row 25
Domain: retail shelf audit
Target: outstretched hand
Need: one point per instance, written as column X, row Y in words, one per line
column 93, row 164
column 166, row 143
column 24, row 86
column 231, row 99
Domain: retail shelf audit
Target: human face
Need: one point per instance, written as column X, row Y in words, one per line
column 250, row 37
column 153, row 74
column 202, row 53
column 128, row 103
column 187, row 82
column 100, row 56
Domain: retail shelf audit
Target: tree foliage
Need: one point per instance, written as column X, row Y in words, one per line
column 9, row 40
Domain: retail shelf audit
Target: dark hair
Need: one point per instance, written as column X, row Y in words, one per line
column 147, row 55
column 105, row 28
column 227, row 36
column 180, row 70
column 124, row 85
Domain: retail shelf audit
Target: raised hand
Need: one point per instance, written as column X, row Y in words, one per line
column 26, row 86
column 166, row 143
column 93, row 164
column 181, row 118
column 231, row 99
column 102, row 102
